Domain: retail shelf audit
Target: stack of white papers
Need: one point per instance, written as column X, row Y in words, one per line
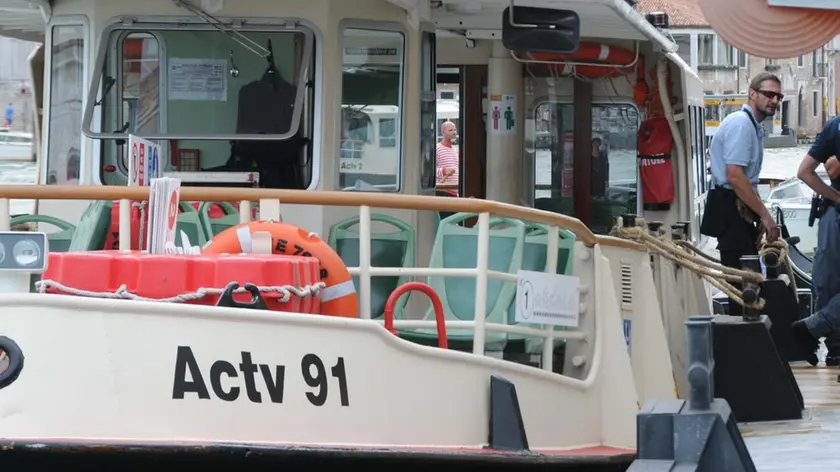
column 163, row 214
column 184, row 248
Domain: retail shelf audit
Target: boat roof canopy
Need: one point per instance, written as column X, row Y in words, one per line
column 476, row 19
column 24, row 19
column 482, row 19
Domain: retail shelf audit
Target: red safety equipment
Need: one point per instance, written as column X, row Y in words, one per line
column 99, row 274
column 616, row 60
column 338, row 298
column 654, row 148
column 112, row 241
column 440, row 320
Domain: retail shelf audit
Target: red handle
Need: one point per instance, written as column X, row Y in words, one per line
column 436, row 304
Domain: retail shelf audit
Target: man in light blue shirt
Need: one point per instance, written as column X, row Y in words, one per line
column 733, row 207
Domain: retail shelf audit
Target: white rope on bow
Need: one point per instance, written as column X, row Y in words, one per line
column 122, row 292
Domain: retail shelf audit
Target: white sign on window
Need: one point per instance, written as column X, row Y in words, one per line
column 143, row 161
column 198, row 79
column 545, row 298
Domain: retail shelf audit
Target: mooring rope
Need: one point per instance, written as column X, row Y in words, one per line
column 690, row 257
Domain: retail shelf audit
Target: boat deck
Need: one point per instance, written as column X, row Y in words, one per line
column 809, row 444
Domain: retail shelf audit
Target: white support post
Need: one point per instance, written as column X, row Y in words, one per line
column 364, row 262
column 482, row 258
column 125, row 225
column 5, row 214
column 551, row 268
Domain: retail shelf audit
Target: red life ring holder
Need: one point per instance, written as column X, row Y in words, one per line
column 591, row 52
column 337, row 299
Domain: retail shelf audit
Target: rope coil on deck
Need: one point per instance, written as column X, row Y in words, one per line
column 711, row 270
column 122, row 292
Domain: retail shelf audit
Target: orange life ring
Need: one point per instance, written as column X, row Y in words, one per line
column 337, row 299
column 591, row 52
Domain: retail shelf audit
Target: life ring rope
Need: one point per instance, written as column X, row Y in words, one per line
column 122, row 293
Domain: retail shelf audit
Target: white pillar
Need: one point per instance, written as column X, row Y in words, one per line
column 505, row 93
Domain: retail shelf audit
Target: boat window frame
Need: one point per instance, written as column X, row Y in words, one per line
column 64, row 20
column 163, row 92
column 596, row 101
column 242, row 25
column 428, row 43
column 373, row 25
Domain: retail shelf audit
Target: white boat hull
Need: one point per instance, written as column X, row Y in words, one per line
column 127, row 371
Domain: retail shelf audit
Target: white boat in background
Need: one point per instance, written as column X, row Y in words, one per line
column 16, row 146
column 793, row 198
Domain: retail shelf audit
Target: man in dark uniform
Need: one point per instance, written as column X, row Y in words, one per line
column 734, row 213
column 825, row 275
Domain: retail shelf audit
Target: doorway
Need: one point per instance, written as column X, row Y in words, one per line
column 461, row 92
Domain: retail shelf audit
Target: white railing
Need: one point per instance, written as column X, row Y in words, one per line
column 269, row 209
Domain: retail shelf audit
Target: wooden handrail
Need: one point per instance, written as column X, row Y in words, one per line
column 620, row 243
column 305, row 197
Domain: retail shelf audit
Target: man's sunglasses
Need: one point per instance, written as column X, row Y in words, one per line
column 771, row 95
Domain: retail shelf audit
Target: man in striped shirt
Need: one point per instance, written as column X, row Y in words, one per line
column 447, row 163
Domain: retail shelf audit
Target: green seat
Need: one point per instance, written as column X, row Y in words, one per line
column 89, row 235
column 214, row 226
column 93, row 227
column 59, row 241
column 534, row 258
column 456, row 248
column 190, row 223
column 391, row 249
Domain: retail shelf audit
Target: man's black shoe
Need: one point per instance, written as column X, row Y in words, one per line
column 832, row 360
column 805, row 341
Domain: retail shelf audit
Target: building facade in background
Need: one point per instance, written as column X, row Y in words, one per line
column 15, row 86
column 807, row 81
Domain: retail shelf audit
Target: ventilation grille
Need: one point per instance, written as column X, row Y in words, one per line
column 626, row 287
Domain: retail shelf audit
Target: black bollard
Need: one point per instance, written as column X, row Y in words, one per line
column 655, row 226
column 751, row 291
column 678, row 232
column 699, row 435
column 750, row 371
column 772, row 263
column 629, row 220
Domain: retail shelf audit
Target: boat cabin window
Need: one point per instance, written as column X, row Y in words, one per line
column 613, row 182
column 231, row 102
column 370, row 156
column 788, row 190
column 67, row 83
column 428, row 110
column 698, row 150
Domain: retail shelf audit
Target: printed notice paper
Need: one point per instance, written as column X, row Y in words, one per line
column 198, row 79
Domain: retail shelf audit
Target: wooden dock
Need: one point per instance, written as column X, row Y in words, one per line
column 806, row 445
